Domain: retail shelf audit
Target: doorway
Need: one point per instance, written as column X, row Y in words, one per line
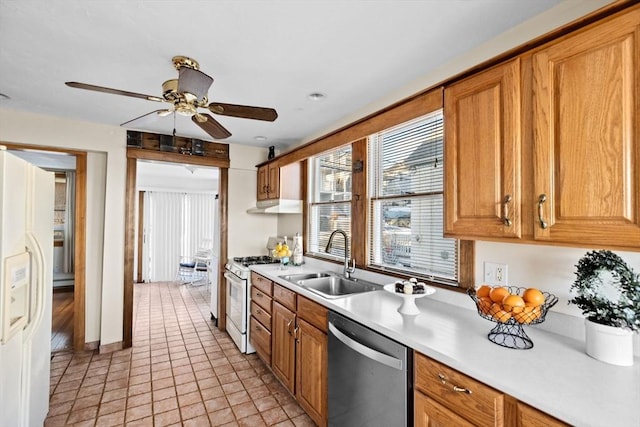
column 68, row 311
column 177, row 215
column 132, row 197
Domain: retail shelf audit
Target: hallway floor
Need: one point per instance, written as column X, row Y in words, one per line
column 181, row 370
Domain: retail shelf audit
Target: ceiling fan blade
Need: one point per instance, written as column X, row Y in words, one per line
column 158, row 112
column 210, row 126
column 194, row 81
column 113, row 91
column 243, row 111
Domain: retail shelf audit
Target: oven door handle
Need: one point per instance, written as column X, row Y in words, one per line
column 233, row 279
column 364, row 350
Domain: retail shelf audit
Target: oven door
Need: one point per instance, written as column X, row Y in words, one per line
column 236, row 301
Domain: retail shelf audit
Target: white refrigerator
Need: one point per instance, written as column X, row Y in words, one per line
column 26, row 256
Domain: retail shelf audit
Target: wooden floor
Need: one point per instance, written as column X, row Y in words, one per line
column 62, row 321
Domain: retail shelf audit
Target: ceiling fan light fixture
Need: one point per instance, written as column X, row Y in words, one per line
column 185, row 109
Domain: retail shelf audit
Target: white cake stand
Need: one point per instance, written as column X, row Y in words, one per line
column 408, row 305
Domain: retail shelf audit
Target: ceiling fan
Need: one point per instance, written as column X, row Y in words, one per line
column 187, row 93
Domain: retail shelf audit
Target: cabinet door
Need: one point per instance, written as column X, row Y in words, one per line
column 263, row 183
column 482, row 154
column 311, row 371
column 283, row 345
column 587, row 137
column 531, row 417
column 428, row 413
column 273, row 189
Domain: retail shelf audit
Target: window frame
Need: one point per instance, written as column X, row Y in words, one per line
column 356, row 134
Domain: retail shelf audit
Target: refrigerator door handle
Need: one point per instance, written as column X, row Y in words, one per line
column 364, row 350
column 36, row 308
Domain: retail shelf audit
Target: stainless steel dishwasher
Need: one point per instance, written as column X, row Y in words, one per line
column 370, row 377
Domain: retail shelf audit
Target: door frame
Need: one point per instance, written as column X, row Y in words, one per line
column 80, row 236
column 133, row 155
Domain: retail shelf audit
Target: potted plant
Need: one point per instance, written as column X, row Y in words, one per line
column 608, row 293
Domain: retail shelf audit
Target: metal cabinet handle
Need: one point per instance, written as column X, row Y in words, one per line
column 295, row 333
column 443, row 380
column 505, row 209
column 259, row 294
column 541, row 200
column 258, row 311
column 289, row 326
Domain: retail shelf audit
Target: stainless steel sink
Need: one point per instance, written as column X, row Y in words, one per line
column 304, row 276
column 337, row 286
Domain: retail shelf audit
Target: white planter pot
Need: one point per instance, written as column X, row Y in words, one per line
column 609, row 344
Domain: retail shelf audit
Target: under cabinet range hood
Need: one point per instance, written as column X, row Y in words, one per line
column 277, row 206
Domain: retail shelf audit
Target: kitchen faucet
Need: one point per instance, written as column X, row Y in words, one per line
column 347, row 270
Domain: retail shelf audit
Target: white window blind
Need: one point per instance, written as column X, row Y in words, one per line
column 330, row 200
column 405, row 178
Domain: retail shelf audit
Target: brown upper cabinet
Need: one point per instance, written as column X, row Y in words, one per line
column 482, row 154
column 276, row 182
column 587, row 135
column 268, row 181
column 546, row 146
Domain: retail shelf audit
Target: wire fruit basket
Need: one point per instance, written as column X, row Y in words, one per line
column 509, row 331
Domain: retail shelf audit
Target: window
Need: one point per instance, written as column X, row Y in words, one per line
column 405, row 174
column 330, row 200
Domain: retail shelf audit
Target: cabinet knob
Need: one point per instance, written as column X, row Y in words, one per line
column 505, row 210
column 541, row 200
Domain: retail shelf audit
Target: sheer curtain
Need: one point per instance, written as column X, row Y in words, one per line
column 177, row 224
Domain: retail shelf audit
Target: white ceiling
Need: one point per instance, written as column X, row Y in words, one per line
column 265, row 53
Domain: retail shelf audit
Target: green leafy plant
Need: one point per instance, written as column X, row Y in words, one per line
column 607, row 290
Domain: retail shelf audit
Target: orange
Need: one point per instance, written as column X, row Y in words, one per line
column 524, row 317
column 495, row 308
column 498, row 294
column 532, row 311
column 483, row 291
column 502, row 316
column 484, row 304
column 533, row 296
column 513, row 303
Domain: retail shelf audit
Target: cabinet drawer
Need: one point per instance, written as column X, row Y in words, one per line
column 313, row 313
column 261, row 283
column 262, row 315
column 474, row 401
column 260, row 338
column 285, row 297
column 429, row 413
column 260, row 298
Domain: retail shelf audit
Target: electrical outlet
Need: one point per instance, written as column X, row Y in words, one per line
column 495, row 274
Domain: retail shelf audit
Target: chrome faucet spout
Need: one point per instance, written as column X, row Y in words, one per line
column 347, row 270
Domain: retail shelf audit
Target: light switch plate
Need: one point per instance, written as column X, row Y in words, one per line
column 495, row 274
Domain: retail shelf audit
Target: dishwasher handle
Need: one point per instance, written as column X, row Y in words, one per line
column 364, row 350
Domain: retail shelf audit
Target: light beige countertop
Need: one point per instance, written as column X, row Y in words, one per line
column 555, row 376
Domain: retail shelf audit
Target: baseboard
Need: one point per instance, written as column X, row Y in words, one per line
column 63, row 288
column 110, row 348
column 90, row 346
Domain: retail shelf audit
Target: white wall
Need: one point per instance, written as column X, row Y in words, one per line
column 247, row 233
column 105, row 207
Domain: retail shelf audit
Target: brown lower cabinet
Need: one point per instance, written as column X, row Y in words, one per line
column 293, row 344
column 446, row 397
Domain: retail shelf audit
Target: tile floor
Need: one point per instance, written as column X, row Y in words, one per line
column 181, row 370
